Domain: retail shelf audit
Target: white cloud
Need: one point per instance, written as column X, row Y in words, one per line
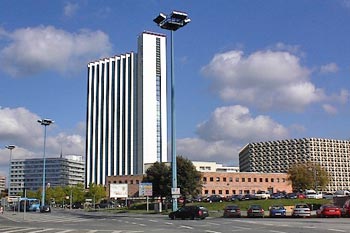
column 33, row 50
column 329, row 68
column 19, row 127
column 226, row 132
column 70, row 9
column 330, row 109
column 236, row 123
column 294, row 49
column 197, row 149
column 264, row 79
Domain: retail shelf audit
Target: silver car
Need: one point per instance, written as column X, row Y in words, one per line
column 301, row 210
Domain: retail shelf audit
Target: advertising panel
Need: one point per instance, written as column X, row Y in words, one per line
column 145, row 190
column 118, row 190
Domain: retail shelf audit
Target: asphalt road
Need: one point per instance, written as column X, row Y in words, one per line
column 99, row 222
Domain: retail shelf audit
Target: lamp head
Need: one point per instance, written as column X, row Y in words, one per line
column 160, row 18
column 46, row 122
column 10, row 147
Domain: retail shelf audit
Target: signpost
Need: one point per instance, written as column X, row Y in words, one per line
column 175, row 192
column 145, row 190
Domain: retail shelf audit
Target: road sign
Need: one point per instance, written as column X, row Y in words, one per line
column 175, row 191
column 145, row 189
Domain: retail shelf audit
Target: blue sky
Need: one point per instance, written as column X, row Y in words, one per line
column 246, row 71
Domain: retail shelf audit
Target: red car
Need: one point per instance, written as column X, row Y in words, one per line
column 328, row 211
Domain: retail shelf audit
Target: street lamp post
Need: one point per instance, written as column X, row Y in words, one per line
column 10, row 147
column 172, row 22
column 44, row 122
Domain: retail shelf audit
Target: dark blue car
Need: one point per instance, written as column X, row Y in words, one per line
column 277, row 211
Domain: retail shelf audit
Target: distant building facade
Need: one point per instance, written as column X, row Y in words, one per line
column 62, row 171
column 278, row 156
column 2, row 183
column 213, row 167
column 216, row 180
column 126, row 123
column 230, row 183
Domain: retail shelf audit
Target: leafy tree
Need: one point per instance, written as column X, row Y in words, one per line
column 309, row 175
column 159, row 175
column 188, row 178
column 96, row 192
column 58, row 194
column 77, row 192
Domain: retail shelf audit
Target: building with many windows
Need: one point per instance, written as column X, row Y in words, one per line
column 126, row 123
column 2, row 183
column 278, row 156
column 215, row 180
column 62, row 171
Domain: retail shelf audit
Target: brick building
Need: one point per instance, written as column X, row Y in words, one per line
column 222, row 183
column 133, row 182
column 243, row 183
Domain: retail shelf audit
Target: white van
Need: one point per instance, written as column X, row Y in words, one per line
column 312, row 194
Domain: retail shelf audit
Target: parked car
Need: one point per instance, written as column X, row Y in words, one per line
column 105, row 204
column 232, row 211
column 312, row 194
column 190, row 212
column 291, row 196
column 341, row 193
column 262, row 194
column 77, row 205
column 328, row 196
column 276, row 196
column 255, row 211
column 328, row 211
column 301, row 196
column 277, row 211
column 215, row 198
column 248, row 197
column 45, row 209
column 301, row 210
column 236, row 197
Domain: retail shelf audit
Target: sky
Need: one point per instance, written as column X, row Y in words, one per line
column 245, row 71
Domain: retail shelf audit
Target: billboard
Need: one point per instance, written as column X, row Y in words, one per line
column 118, row 190
column 145, row 189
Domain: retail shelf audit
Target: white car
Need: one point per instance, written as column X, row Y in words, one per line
column 312, row 194
column 262, row 195
column 301, row 210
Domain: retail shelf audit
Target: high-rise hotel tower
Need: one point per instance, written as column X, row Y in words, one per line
column 126, row 123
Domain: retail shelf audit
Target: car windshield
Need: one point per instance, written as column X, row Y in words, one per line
column 301, row 206
column 277, row 207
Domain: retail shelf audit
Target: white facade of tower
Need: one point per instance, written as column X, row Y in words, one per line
column 126, row 119
column 152, row 104
column 110, row 121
